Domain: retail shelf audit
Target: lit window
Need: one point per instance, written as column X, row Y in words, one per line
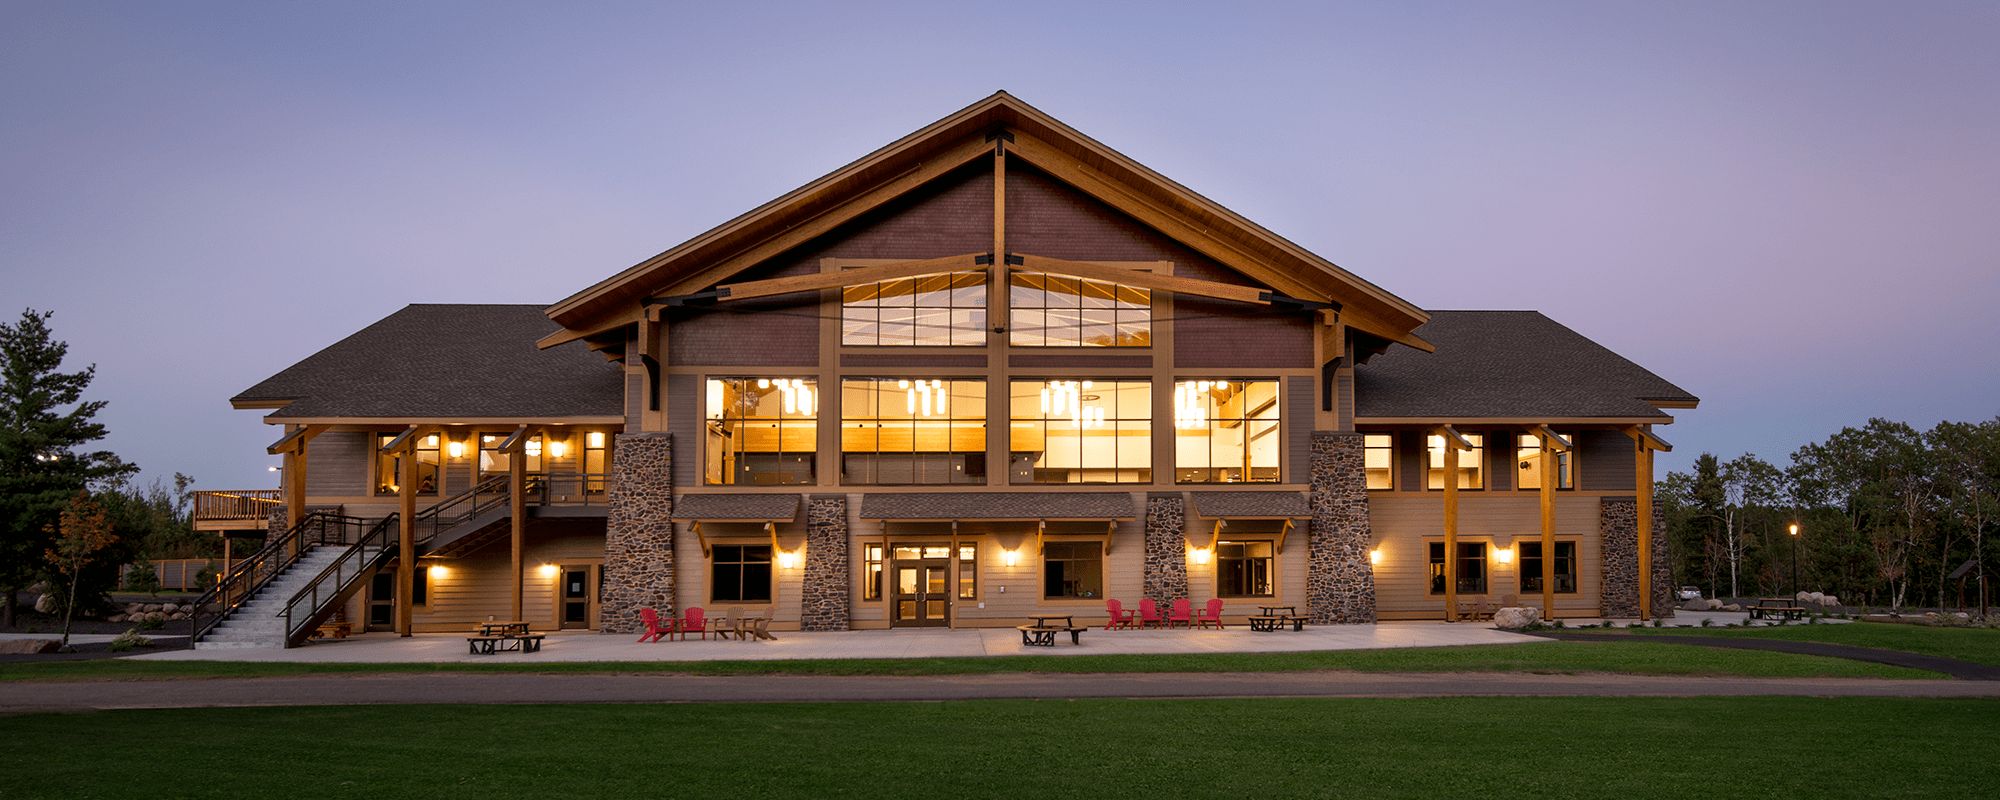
column 496, row 463
column 1471, row 568
column 1469, row 476
column 1531, row 566
column 389, row 466
column 1528, row 457
column 968, row 571
column 1079, row 431
column 1378, row 452
column 740, row 573
column 1059, row 311
column 759, row 431
column 926, row 311
column 1226, row 431
column 1072, row 569
column 1243, row 569
column 912, row 431
column 871, row 572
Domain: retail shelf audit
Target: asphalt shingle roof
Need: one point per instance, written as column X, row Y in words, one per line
column 999, row 505
column 448, row 361
column 1507, row 364
column 769, row 507
column 1251, row 504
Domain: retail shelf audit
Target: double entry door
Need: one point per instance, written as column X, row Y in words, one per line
column 920, row 586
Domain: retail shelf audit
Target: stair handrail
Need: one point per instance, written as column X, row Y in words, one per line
column 246, row 578
column 447, row 514
column 348, row 567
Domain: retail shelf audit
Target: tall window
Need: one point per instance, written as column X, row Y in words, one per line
column 1528, row 460
column 912, row 431
column 760, row 430
column 1471, row 568
column 1078, row 431
column 871, row 572
column 1531, row 566
column 968, row 571
column 1469, row 475
column 495, row 462
column 389, row 466
column 740, row 573
column 1226, row 431
column 596, row 461
column 1059, row 311
column 1072, row 569
column 1378, row 452
column 927, row 311
column 1243, row 569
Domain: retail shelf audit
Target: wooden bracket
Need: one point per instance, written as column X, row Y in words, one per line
column 1554, row 440
column 1643, row 434
column 296, row 440
column 517, row 441
column 1282, row 534
column 695, row 527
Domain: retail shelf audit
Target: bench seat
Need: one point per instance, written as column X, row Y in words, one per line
column 1045, row 636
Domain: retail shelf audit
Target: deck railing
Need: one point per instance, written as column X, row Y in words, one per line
column 248, row 504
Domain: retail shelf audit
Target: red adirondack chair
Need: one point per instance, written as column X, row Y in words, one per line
column 654, row 630
column 694, row 623
column 1212, row 614
column 1181, row 614
column 1149, row 614
column 1120, row 618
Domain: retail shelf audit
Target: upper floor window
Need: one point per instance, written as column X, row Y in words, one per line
column 1078, row 431
column 760, row 430
column 946, row 310
column 1378, row 452
column 389, row 466
column 1059, row 311
column 1469, row 475
column 495, row 462
column 912, row 431
column 1528, row 457
column 1226, row 431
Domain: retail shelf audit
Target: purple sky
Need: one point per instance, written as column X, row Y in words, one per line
column 1790, row 209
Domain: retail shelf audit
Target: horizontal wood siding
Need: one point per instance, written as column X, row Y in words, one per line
column 337, row 464
column 1403, row 526
column 477, row 586
column 1604, row 459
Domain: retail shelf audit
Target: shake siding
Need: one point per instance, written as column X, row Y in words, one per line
column 683, row 396
column 337, row 464
column 1237, row 336
column 1403, row 527
column 1410, row 460
column 1046, row 217
column 1343, row 401
column 1297, row 423
column 635, row 402
column 477, row 586
column 1605, row 461
column 1502, row 467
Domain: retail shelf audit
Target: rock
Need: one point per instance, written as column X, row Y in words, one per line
column 154, row 607
column 29, row 646
column 1695, row 605
column 1829, row 600
column 155, row 615
column 135, row 608
column 45, row 604
column 115, row 618
column 169, row 607
column 1732, row 607
column 1714, row 604
column 1514, row 619
column 1804, row 596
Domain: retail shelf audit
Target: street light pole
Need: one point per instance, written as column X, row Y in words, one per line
column 1795, row 558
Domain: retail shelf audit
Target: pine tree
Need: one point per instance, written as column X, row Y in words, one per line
column 42, row 465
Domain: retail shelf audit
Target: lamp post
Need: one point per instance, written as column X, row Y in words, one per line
column 1795, row 557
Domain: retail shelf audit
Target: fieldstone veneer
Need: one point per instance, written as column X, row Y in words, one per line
column 1618, row 521
column 1340, row 580
column 1166, row 548
column 639, row 532
column 824, row 605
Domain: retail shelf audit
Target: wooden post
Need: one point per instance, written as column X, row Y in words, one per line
column 1450, row 455
column 406, row 550
column 1645, row 490
column 1548, row 526
column 517, row 507
column 295, row 488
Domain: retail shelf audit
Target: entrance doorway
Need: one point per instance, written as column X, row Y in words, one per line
column 576, row 596
column 920, row 586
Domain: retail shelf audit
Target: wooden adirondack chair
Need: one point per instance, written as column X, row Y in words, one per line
column 654, row 630
column 1212, row 614
column 1181, row 615
column 1149, row 615
column 727, row 625
column 694, row 622
column 1120, row 618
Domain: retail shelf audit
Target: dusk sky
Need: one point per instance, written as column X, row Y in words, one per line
column 1790, row 209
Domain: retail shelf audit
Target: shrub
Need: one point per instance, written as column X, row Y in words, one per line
column 128, row 640
column 1707, row 622
column 143, row 578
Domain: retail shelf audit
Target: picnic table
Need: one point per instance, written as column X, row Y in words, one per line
column 1043, row 632
column 1271, row 618
column 504, row 636
column 1779, row 607
column 333, row 630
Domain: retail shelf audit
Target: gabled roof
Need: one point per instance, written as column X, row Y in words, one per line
column 445, row 361
column 816, row 208
column 1513, row 365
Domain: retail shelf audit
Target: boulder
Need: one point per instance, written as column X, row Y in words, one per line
column 1695, row 605
column 170, row 608
column 135, row 608
column 1714, row 604
column 155, row 615
column 45, row 604
column 1829, row 600
column 115, row 618
column 1805, row 597
column 29, row 646
column 1732, row 607
column 1514, row 619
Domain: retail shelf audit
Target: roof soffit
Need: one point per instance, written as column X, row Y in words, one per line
column 947, row 144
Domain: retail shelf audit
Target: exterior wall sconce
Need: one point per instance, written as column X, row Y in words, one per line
column 437, row 573
column 457, row 449
column 1504, row 556
column 787, row 558
column 1200, row 555
column 1013, row 557
column 549, row 570
column 1375, row 556
column 556, row 448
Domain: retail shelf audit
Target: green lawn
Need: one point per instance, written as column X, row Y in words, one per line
column 1977, row 645
column 1547, row 657
column 1458, row 747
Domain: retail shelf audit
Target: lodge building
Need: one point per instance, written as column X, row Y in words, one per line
column 992, row 369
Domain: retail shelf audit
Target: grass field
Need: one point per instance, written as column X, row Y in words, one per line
column 1544, row 657
column 1977, row 645
column 1461, row 747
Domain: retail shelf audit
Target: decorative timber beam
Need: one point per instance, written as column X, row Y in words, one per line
column 1164, row 283
column 832, row 280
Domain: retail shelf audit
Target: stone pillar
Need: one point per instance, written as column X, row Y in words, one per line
column 1340, row 578
column 639, row 532
column 824, row 605
column 1166, row 577
column 1618, row 523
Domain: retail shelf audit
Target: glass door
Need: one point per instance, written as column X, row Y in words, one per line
column 921, row 586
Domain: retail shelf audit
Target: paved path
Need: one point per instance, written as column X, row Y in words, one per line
column 397, row 689
column 1964, row 670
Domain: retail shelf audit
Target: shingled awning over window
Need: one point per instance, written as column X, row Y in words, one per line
column 737, row 507
column 999, row 506
column 1251, row 505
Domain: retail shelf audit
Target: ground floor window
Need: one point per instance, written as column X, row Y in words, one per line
column 871, row 572
column 1531, row 567
column 740, row 573
column 1471, row 568
column 1243, row 569
column 1072, row 569
column 968, row 571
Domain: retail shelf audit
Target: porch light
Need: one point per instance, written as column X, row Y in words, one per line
column 1201, row 555
column 1012, row 557
column 437, row 573
column 1503, row 556
column 457, row 449
column 1375, row 556
column 549, row 570
column 556, row 448
column 786, row 558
